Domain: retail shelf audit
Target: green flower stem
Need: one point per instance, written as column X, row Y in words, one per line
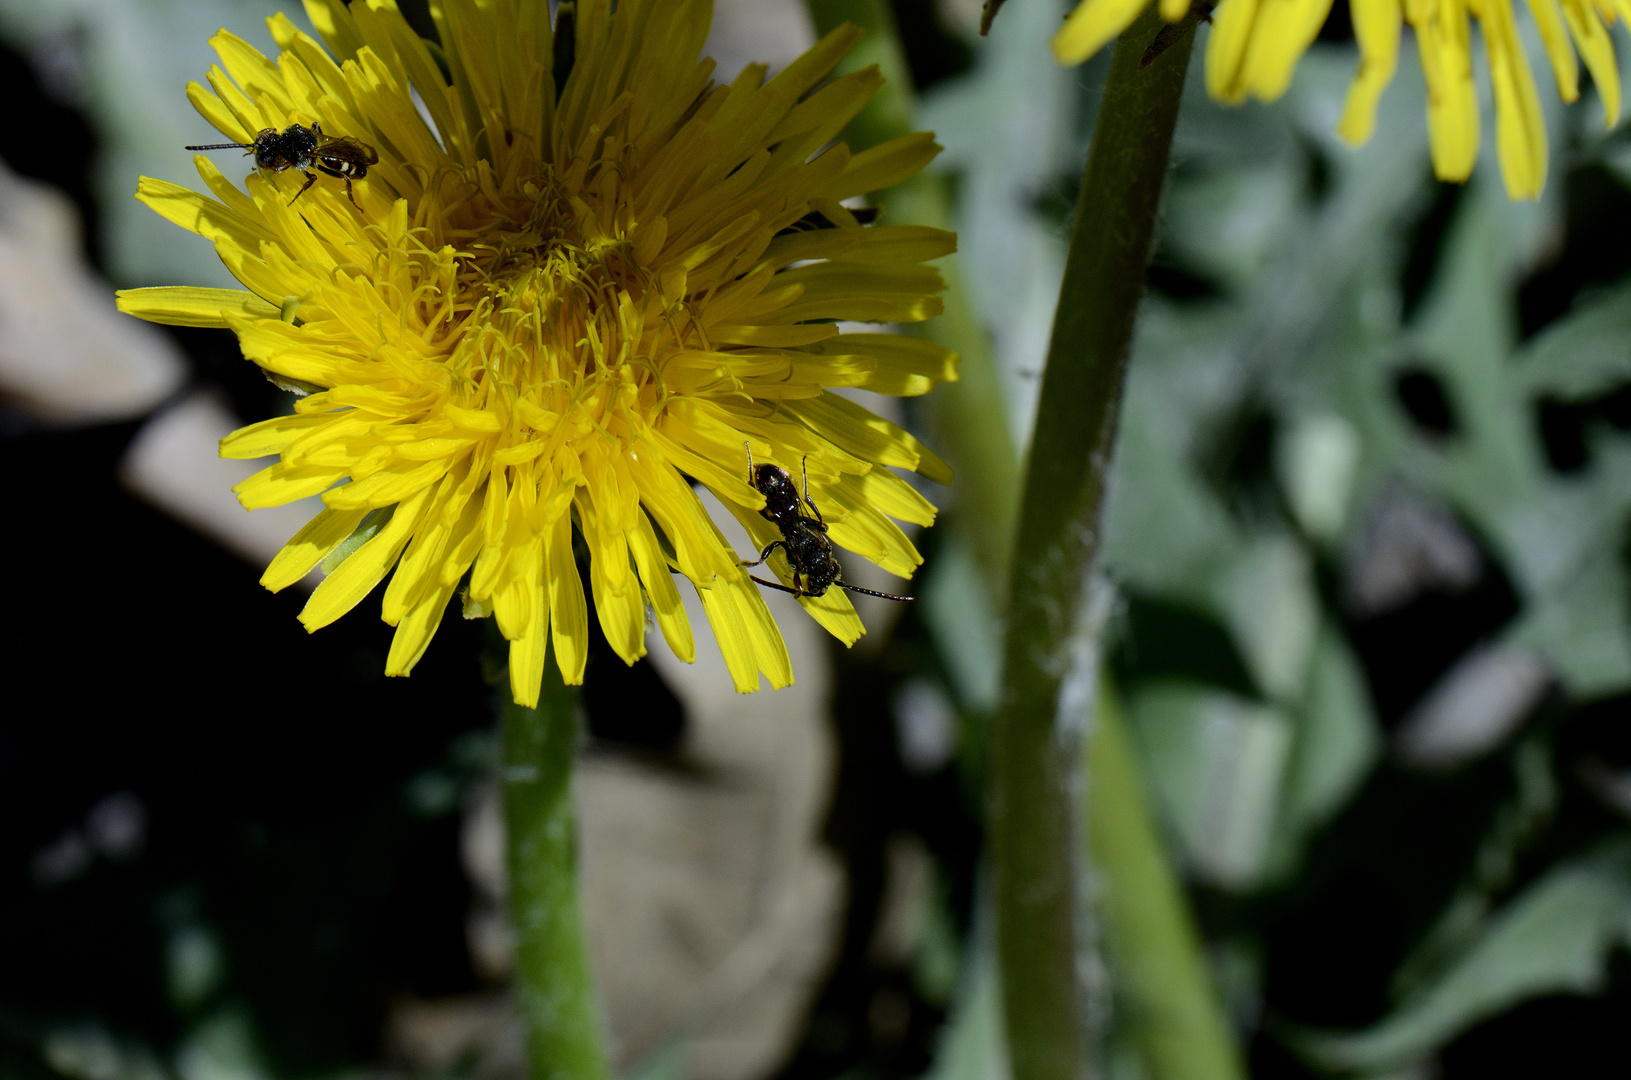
column 969, row 422
column 1154, row 948
column 553, row 987
column 1035, row 752
column 1163, row 987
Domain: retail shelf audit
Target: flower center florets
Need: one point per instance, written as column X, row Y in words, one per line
column 556, row 327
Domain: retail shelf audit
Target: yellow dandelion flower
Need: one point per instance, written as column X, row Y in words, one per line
column 1255, row 46
column 579, row 279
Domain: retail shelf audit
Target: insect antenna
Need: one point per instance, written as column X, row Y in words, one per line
column 223, row 146
column 870, row 592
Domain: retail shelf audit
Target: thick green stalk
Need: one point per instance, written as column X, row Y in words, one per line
column 552, row 980
column 1163, row 988
column 969, row 421
column 1036, row 752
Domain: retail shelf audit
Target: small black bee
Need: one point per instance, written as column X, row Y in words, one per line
column 306, row 148
column 804, row 539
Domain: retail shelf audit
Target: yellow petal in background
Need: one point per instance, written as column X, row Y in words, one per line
column 1091, row 25
column 1520, row 129
column 1232, row 24
column 1283, row 31
column 1597, row 50
column 1565, row 69
column 1444, row 40
column 1376, row 27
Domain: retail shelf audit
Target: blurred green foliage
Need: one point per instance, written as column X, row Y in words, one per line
column 1370, row 529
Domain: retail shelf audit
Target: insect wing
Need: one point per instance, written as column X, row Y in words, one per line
column 346, row 148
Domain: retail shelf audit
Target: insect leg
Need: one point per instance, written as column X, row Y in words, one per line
column 311, row 178
column 350, row 196
column 776, row 585
column 772, row 546
column 805, row 464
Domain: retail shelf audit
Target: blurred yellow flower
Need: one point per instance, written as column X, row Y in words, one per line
column 1255, row 46
column 552, row 312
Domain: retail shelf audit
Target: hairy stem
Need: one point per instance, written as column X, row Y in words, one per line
column 552, row 979
column 1036, row 752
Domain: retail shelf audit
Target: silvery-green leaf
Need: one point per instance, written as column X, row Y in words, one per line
column 1336, row 740
column 1585, row 353
column 971, row 1044
column 1215, row 762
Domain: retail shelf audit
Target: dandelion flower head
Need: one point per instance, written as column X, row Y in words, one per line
column 580, row 278
column 1255, row 45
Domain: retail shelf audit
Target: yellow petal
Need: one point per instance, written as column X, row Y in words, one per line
column 306, row 549
column 1520, row 129
column 901, row 364
column 1232, row 24
column 180, row 305
column 1565, row 69
column 269, row 436
column 619, row 604
column 748, row 637
column 1444, row 38
column 1283, row 31
column 414, row 632
column 331, row 20
column 666, row 605
column 568, row 611
column 198, row 214
column 1093, row 23
column 214, row 110
column 885, row 165
column 364, row 568
column 867, row 435
column 1376, row 26
column 283, row 483
column 834, row 613
column 387, row 486
column 528, row 652
column 1597, row 49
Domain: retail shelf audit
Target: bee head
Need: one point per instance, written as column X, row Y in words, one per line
column 279, row 150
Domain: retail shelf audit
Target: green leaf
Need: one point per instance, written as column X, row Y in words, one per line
column 1586, row 353
column 1215, row 762
column 972, row 1045
column 1337, row 738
